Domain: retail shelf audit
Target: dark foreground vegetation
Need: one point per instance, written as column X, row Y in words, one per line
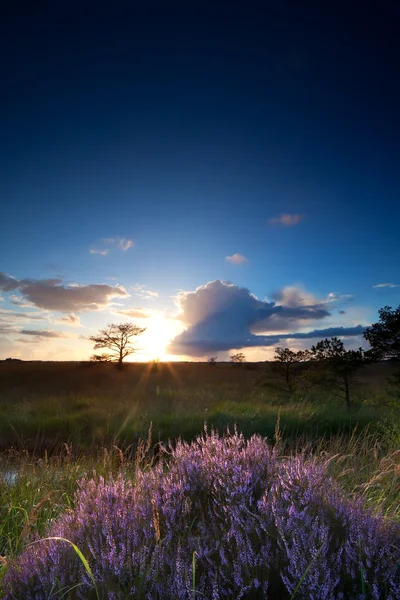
column 314, row 511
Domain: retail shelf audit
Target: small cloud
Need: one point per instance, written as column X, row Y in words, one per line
column 48, row 333
column 140, row 290
column 72, row 320
column 386, row 285
column 286, row 220
column 333, row 297
column 101, row 252
column 125, row 244
column 133, row 313
column 342, row 312
column 236, row 259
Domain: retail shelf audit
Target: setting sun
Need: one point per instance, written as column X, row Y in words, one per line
column 153, row 344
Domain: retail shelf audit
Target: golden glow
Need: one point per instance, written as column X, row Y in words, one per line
column 153, row 343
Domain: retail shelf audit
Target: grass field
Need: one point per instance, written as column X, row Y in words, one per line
column 61, row 420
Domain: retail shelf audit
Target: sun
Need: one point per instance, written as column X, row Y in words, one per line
column 159, row 331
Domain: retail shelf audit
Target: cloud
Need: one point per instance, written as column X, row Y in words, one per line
column 7, row 283
column 133, row 313
column 236, row 259
column 101, row 252
column 46, row 333
column 52, row 294
column 140, row 290
column 342, row 312
column 286, row 220
column 72, row 320
column 123, row 243
column 11, row 315
column 386, row 285
column 222, row 316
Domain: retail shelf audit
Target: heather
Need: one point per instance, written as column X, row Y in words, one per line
column 222, row 517
column 71, row 443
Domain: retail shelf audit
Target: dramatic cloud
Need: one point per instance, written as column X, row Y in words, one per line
column 45, row 333
column 222, row 316
column 286, row 220
column 102, row 252
column 52, row 294
column 133, row 313
column 236, row 259
column 386, row 285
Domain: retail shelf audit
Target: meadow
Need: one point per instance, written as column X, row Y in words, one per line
column 61, row 422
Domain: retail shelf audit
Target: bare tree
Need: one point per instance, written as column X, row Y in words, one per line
column 118, row 339
column 212, row 361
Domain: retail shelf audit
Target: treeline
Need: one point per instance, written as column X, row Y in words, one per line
column 328, row 363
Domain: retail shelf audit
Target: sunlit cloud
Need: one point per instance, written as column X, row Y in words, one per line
column 133, row 313
column 386, row 285
column 142, row 292
column 286, row 220
column 71, row 320
column 236, row 259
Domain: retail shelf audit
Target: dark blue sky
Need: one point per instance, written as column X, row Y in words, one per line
column 186, row 128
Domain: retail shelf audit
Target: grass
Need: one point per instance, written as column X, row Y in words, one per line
column 59, row 421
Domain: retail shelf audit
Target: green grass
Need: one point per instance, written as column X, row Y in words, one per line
column 58, row 421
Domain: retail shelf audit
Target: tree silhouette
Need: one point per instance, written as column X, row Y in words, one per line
column 287, row 363
column 340, row 364
column 212, row 361
column 238, row 359
column 118, row 339
column 384, row 336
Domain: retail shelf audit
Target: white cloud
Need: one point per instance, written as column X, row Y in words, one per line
column 386, row 285
column 236, row 259
column 123, row 243
column 286, row 220
column 101, row 252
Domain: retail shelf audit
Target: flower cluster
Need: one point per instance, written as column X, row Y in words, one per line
column 223, row 517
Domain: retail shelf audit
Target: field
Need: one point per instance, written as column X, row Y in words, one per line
column 59, row 421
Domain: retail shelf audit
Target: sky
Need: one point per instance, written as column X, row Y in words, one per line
column 224, row 174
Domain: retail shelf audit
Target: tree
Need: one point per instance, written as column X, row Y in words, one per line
column 384, row 336
column 288, row 362
column 212, row 361
column 341, row 365
column 238, row 359
column 118, row 339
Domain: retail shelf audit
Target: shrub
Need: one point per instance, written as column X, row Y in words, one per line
column 223, row 517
